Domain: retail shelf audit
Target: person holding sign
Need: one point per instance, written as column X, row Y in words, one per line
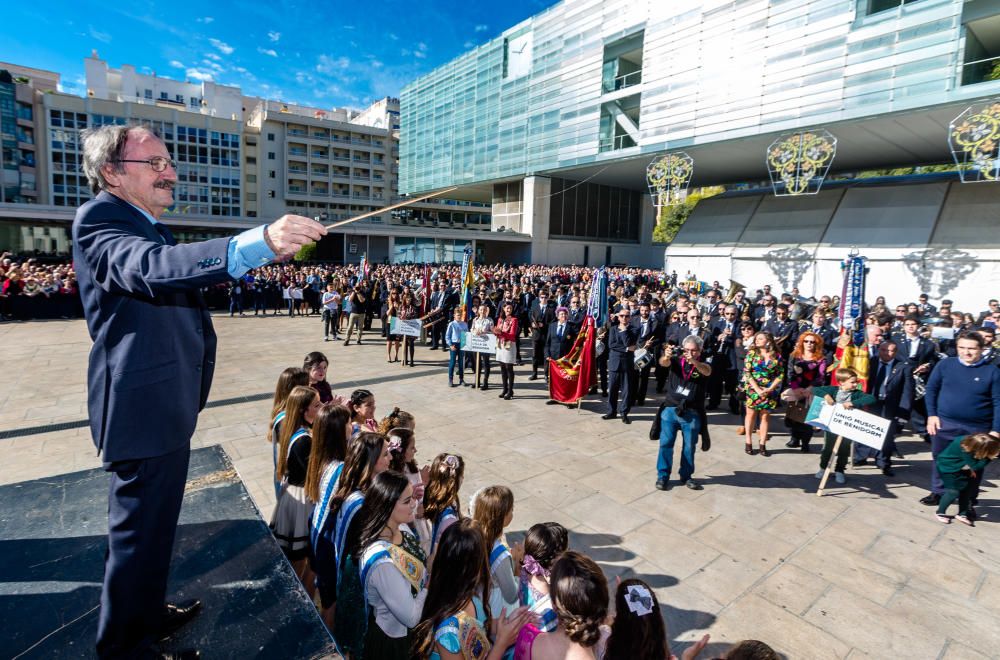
column 849, row 396
column 506, row 331
column 453, row 338
column 483, row 325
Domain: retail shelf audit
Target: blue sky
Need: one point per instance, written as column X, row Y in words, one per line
column 331, row 54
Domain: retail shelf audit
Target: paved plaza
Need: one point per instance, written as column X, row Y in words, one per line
column 864, row 572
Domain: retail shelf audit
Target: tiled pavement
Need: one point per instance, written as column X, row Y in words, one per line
column 864, row 572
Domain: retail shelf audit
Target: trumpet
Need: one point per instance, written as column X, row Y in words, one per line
column 734, row 288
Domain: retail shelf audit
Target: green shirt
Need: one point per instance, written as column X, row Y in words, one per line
column 858, row 398
column 953, row 458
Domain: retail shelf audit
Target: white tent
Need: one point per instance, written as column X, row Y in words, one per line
column 941, row 238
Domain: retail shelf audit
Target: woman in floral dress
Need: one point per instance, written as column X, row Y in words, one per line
column 763, row 376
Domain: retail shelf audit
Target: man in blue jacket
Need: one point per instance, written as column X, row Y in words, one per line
column 151, row 365
column 963, row 397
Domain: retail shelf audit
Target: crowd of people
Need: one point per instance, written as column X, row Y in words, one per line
column 400, row 568
column 32, row 289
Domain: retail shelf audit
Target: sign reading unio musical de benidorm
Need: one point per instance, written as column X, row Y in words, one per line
column 857, row 425
column 408, row 327
column 479, row 343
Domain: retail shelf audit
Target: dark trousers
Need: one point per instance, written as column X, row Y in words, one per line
column 437, row 335
column 883, row 457
column 621, row 382
column 722, row 381
column 661, row 377
column 949, row 430
column 143, row 506
column 330, row 319
column 842, row 452
column 602, row 371
column 918, row 417
column 484, row 369
column 538, row 357
column 957, row 486
column 507, row 377
column 643, row 386
column 455, row 364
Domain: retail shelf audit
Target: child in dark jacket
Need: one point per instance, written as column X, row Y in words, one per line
column 958, row 465
column 849, row 396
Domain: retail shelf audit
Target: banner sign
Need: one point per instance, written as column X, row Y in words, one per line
column 857, row 425
column 479, row 343
column 852, row 322
column 597, row 304
column 407, row 327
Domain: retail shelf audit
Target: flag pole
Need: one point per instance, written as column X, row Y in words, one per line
column 389, row 208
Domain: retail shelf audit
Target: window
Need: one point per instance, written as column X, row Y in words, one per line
column 179, row 98
column 270, row 193
column 149, row 94
column 876, row 6
column 270, row 155
column 270, row 137
column 270, row 174
column 587, row 210
column 163, row 96
column 195, row 102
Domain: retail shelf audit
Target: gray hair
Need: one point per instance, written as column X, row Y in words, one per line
column 693, row 339
column 105, row 146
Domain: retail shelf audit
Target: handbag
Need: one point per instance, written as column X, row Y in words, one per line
column 795, row 411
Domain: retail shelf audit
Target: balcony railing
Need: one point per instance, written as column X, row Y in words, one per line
column 621, row 82
column 296, row 189
column 980, row 71
column 616, row 143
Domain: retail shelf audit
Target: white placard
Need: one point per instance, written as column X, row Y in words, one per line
column 857, row 425
column 408, row 327
column 942, row 333
column 479, row 343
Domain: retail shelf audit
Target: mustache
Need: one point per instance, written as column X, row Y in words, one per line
column 165, row 184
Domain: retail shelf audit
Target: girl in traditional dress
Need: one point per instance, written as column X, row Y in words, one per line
column 362, row 407
column 492, row 508
column 392, row 568
column 403, row 452
column 367, row 456
column 441, row 506
column 456, row 623
column 290, row 520
column 331, row 431
column 289, row 378
column 543, row 543
column 762, row 380
column 580, row 599
column 397, row 419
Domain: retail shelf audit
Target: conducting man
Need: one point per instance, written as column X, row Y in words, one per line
column 151, row 364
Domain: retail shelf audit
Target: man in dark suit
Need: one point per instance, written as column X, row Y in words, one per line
column 540, row 316
column 724, row 372
column 650, row 337
column 436, row 304
column 560, row 336
column 890, row 381
column 821, row 327
column 151, row 365
column 921, row 354
column 784, row 330
column 621, row 343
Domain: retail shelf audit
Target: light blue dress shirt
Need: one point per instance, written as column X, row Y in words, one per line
column 246, row 250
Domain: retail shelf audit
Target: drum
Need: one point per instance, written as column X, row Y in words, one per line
column 643, row 358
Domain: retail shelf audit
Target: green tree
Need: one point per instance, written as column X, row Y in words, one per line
column 672, row 218
column 307, row 253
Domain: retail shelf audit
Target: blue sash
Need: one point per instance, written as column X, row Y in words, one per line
column 295, row 436
column 435, row 536
column 376, row 553
column 346, row 514
column 322, row 511
column 497, row 555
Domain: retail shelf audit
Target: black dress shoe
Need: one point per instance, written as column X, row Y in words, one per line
column 175, row 616
column 888, row 472
column 863, row 461
column 551, row 402
column 533, row 377
column 625, row 419
column 662, row 484
column 693, row 485
column 508, row 396
column 186, row 654
column 608, row 416
column 931, row 500
column 706, row 443
column 793, row 443
column 804, row 448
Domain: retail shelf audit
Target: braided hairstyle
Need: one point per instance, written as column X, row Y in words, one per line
column 396, row 419
column 545, row 541
column 579, row 597
column 445, row 479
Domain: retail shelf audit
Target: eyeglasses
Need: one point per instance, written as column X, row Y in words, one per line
column 158, row 163
column 808, row 341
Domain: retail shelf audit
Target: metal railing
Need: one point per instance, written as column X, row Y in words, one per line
column 616, row 143
column 621, row 82
column 978, row 71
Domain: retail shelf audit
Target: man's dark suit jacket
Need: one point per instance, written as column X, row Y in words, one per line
column 654, row 332
column 619, row 357
column 898, row 389
column 538, row 315
column 153, row 357
column 556, row 347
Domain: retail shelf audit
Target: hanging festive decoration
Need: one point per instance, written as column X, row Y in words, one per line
column 669, row 177
column 974, row 137
column 798, row 163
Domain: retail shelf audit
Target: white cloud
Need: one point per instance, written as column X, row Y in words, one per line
column 222, row 46
column 213, row 66
column 304, row 78
column 328, row 64
column 213, row 56
column 267, row 51
column 274, row 36
column 206, row 20
column 419, row 53
column 376, row 64
column 348, row 27
column 199, row 74
column 482, row 28
column 103, row 37
column 468, row 44
column 393, row 36
column 177, row 65
column 422, row 46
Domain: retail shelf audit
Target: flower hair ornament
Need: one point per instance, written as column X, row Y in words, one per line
column 639, row 600
column 472, row 500
column 451, row 461
column 395, row 444
column 534, row 568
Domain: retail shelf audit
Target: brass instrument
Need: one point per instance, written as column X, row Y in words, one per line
column 432, row 318
column 734, row 288
column 803, row 308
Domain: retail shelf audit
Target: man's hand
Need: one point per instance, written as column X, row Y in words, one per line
column 933, row 425
column 289, row 233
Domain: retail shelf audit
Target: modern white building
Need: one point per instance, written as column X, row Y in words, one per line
column 555, row 120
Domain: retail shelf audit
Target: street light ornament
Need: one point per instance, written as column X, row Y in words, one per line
column 974, row 137
column 798, row 163
column 668, row 178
